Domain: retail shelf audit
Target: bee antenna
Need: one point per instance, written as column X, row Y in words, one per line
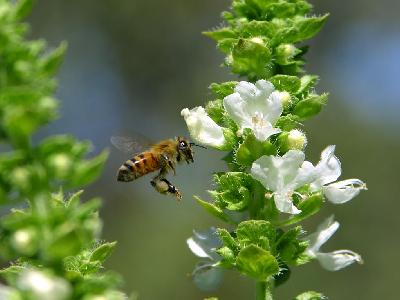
column 194, row 144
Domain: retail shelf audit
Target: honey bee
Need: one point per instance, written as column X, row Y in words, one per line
column 163, row 156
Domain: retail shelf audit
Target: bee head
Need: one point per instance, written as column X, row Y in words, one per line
column 185, row 149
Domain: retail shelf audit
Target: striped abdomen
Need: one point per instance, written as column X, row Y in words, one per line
column 138, row 166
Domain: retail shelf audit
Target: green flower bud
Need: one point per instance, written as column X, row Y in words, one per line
column 21, row 178
column 292, row 140
column 286, row 99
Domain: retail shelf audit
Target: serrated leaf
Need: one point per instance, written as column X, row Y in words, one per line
column 306, row 28
column 287, row 83
column 257, row 263
column 212, row 209
column 257, row 232
column 288, row 122
column 227, row 239
column 103, row 251
column 310, row 106
column 215, row 109
column 252, row 149
column 258, row 28
column 307, row 84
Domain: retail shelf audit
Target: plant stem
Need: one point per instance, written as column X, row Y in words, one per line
column 264, row 290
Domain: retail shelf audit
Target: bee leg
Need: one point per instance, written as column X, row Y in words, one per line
column 163, row 186
column 168, row 164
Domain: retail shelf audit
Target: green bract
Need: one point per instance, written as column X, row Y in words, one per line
column 52, row 239
column 268, row 176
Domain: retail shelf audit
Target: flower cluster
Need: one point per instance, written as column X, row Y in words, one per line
column 270, row 185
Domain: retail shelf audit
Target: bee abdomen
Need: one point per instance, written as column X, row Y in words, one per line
column 137, row 166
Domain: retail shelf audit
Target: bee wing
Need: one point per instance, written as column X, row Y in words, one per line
column 131, row 145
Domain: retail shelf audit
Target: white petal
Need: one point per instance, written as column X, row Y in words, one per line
column 203, row 244
column 306, row 174
column 274, row 107
column 343, row 191
column 206, row 276
column 202, row 128
column 284, row 204
column 265, row 87
column 324, row 231
column 246, row 90
column 263, row 133
column 235, row 107
column 277, row 173
column 337, row 260
column 328, row 168
column 196, row 248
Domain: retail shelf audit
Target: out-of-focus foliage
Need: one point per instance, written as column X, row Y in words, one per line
column 50, row 240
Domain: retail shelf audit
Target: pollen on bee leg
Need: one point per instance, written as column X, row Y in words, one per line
column 163, row 186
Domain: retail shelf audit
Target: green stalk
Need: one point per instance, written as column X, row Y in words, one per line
column 264, row 290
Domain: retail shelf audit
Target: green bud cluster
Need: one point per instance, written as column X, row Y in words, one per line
column 260, row 39
column 52, row 239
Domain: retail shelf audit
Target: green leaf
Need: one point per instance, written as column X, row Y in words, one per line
column 220, row 33
column 257, row 232
column 215, row 109
column 223, row 89
column 23, row 8
column 307, row 83
column 212, row 209
column 252, row 149
column 291, row 247
column 52, row 62
column 257, row 263
column 227, row 239
column 310, row 295
column 308, row 207
column 306, row 28
column 287, row 83
column 258, row 28
column 251, row 57
column 89, row 170
column 310, row 106
column 288, row 122
column 103, row 251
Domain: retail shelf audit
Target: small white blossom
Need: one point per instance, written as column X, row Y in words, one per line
column 332, row 261
column 44, row 286
column 255, row 106
column 329, row 170
column 203, row 244
column 202, row 128
column 283, row 175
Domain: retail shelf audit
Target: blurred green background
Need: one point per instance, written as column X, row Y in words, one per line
column 133, row 65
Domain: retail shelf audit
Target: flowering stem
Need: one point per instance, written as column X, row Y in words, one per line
column 264, row 290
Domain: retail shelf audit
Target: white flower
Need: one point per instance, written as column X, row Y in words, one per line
column 283, row 175
column 44, row 286
column 203, row 244
column 329, row 170
column 255, row 106
column 332, row 261
column 202, row 128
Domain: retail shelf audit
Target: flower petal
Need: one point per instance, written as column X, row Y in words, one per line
column 328, row 168
column 262, row 133
column 203, row 244
column 284, row 204
column 235, row 107
column 337, row 260
column 343, row 191
column 202, row 128
column 206, row 276
column 324, row 231
column 306, row 174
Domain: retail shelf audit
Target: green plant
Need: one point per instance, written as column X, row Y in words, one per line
column 269, row 188
column 51, row 240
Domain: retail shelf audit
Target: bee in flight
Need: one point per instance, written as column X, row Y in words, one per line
column 162, row 156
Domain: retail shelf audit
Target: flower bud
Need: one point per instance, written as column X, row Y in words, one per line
column 24, row 241
column 286, row 99
column 21, row 178
column 43, row 286
column 292, row 140
column 61, row 164
column 285, row 52
column 257, row 40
